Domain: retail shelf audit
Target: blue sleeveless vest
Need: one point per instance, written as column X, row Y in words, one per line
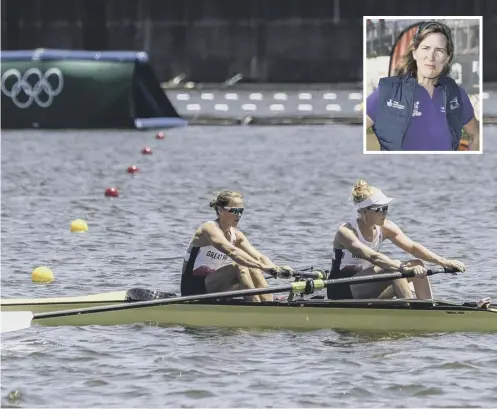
column 391, row 124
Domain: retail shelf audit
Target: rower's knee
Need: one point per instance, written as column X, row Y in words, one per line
column 415, row 262
column 401, row 288
column 258, row 277
column 399, row 282
column 255, row 272
column 242, row 271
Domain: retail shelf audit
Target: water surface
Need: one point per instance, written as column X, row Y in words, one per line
column 296, row 182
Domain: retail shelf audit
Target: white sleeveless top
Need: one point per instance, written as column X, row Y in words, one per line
column 348, row 259
column 208, row 259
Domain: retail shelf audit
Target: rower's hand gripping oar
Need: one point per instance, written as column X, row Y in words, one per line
column 17, row 320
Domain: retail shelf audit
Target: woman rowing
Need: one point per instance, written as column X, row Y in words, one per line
column 356, row 251
column 221, row 258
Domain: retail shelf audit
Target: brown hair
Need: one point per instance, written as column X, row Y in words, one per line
column 223, row 198
column 408, row 65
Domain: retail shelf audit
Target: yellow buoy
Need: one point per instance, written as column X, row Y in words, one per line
column 78, row 226
column 42, row 275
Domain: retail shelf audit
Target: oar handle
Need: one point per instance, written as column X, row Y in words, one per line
column 315, row 274
column 447, row 270
column 384, row 277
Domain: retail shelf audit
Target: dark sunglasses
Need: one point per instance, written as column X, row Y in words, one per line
column 434, row 24
column 382, row 209
column 237, row 211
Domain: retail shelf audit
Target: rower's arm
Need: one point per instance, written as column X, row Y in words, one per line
column 393, row 232
column 472, row 129
column 246, row 246
column 215, row 237
column 348, row 240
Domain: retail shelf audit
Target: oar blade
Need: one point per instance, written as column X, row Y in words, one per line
column 15, row 320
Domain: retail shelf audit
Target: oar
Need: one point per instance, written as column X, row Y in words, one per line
column 17, row 320
column 314, row 275
column 144, row 294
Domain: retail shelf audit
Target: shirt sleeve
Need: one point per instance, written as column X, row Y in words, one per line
column 372, row 102
column 467, row 107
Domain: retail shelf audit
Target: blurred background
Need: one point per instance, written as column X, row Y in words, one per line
column 283, row 58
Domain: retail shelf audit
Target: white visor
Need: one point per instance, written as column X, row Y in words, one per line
column 377, row 199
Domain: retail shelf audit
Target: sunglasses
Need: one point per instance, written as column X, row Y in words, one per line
column 381, row 210
column 434, row 24
column 237, row 211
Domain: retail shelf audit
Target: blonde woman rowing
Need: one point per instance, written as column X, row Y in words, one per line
column 221, row 258
column 356, row 251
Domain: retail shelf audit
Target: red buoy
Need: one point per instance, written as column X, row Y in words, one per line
column 133, row 169
column 147, row 151
column 111, row 192
column 160, row 135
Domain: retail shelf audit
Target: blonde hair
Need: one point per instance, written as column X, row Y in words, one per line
column 407, row 65
column 361, row 191
column 223, row 198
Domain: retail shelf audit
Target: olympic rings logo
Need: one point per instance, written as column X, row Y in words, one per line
column 33, row 86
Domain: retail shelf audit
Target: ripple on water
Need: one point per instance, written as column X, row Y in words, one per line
column 296, row 182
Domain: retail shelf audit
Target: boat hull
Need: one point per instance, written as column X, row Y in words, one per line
column 40, row 305
column 368, row 315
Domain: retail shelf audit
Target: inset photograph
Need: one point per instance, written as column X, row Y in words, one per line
column 422, row 85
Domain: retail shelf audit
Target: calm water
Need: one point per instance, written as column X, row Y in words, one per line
column 296, row 181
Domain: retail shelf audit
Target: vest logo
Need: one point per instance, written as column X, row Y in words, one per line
column 216, row 256
column 415, row 111
column 454, row 104
column 442, row 110
column 394, row 104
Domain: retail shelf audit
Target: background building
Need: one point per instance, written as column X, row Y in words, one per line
column 214, row 40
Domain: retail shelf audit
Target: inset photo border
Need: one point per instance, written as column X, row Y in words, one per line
column 386, row 41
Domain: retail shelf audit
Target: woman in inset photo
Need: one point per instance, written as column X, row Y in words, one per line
column 421, row 108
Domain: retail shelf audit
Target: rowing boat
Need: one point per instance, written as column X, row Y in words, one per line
column 119, row 308
column 223, row 309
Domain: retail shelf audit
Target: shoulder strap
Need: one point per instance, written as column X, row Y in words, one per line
column 233, row 235
column 355, row 226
